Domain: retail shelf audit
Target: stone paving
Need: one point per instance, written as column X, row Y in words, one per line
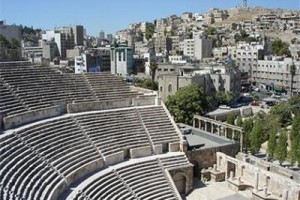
column 216, row 191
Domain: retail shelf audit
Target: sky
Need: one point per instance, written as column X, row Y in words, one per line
column 112, row 15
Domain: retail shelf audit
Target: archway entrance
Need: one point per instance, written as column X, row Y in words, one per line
column 180, row 182
column 196, row 169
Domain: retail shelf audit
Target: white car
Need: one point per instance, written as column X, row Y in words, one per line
column 224, row 107
column 257, row 90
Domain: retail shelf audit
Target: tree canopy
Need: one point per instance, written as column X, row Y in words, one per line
column 281, row 148
column 280, row 48
column 295, row 141
column 145, row 83
column 255, row 137
column 150, row 29
column 224, row 98
column 187, row 102
column 210, row 30
column 284, row 113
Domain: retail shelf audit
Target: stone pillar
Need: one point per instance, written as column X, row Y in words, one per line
column 265, row 191
column 256, row 181
column 241, row 141
column 286, row 195
column 215, row 167
column 231, row 175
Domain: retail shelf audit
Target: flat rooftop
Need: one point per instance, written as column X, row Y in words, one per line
column 200, row 139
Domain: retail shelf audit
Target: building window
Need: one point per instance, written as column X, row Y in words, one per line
column 170, row 88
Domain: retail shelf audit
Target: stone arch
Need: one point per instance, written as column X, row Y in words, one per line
column 180, row 181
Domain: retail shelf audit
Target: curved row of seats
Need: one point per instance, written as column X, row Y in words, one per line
column 24, row 174
column 158, row 124
column 142, row 179
column 36, row 159
column 43, row 87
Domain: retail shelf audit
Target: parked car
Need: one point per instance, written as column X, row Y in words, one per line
column 224, row 107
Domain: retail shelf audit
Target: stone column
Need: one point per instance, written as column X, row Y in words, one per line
column 256, row 181
column 265, row 191
column 241, row 141
column 286, row 195
column 218, row 130
column 231, row 175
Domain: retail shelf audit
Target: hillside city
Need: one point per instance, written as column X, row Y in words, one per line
column 175, row 108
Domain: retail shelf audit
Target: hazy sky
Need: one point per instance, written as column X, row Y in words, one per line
column 112, row 15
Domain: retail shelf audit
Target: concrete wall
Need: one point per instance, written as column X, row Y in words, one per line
column 206, row 158
column 144, row 100
column 269, row 166
column 114, row 158
column 140, row 152
column 278, row 185
column 97, row 105
column 31, row 116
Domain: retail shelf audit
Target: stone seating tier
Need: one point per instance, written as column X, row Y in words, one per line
column 35, row 88
column 38, row 158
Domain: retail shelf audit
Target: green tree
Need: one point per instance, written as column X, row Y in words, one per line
column 256, row 137
column 224, row 98
column 239, row 121
column 210, row 30
column 272, row 142
column 150, row 29
column 187, row 102
column 4, row 41
column 280, row 48
column 145, row 83
column 230, row 120
column 14, row 44
column 284, row 113
column 153, row 68
column 295, row 141
column 247, row 127
column 293, row 73
column 294, row 103
column 281, row 148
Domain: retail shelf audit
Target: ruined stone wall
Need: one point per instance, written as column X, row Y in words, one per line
column 254, row 175
column 206, row 158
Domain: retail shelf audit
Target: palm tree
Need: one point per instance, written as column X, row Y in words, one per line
column 153, row 68
column 292, row 72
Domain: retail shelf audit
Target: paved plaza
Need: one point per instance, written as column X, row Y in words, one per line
column 216, row 191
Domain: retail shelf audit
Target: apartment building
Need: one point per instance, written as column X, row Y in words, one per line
column 121, row 59
column 274, row 72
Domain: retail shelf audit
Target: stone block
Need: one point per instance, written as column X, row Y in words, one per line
column 158, row 149
column 140, row 152
column 174, row 147
column 114, row 158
